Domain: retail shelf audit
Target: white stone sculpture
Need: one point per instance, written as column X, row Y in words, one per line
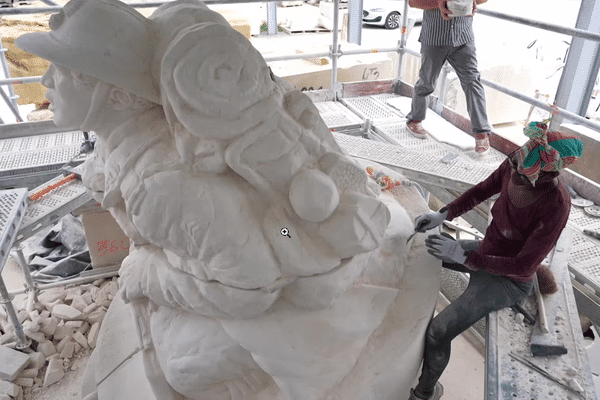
column 265, row 264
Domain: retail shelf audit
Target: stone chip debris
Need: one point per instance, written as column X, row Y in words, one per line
column 63, row 325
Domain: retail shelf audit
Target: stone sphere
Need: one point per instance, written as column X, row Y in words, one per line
column 313, row 195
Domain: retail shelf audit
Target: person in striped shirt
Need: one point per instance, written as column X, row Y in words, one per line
column 448, row 38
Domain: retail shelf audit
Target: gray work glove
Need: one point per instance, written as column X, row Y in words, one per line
column 430, row 220
column 445, row 248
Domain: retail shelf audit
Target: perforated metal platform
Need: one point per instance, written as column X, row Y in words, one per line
column 338, row 117
column 40, row 155
column 52, row 207
column 457, row 174
column 13, row 204
column 370, row 108
column 508, row 342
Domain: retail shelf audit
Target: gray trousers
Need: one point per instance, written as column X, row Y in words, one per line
column 484, row 294
column 464, row 61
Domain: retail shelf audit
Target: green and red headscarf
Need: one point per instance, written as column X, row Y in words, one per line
column 546, row 151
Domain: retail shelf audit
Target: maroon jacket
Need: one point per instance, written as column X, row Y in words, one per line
column 518, row 239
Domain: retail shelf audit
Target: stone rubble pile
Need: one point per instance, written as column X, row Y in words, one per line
column 63, row 325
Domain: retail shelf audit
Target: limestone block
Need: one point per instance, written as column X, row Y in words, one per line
column 79, row 338
column 44, row 313
column 47, row 348
column 8, row 338
column 12, row 362
column 79, row 303
column 55, row 372
column 61, row 345
column 5, row 397
column 51, row 296
column 95, row 316
column 36, row 360
column 66, row 313
column 26, row 382
column 31, row 326
column 84, row 328
column 9, row 388
column 63, row 331
column 74, row 324
column 87, row 297
column 74, row 292
column 92, row 336
column 68, row 349
column 34, row 315
column 37, row 336
column 48, row 326
column 29, row 373
column 90, row 308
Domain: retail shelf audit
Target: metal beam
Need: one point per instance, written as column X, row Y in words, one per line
column 581, row 68
column 355, row 10
column 271, row 18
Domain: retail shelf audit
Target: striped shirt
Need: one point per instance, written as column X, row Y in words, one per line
column 436, row 31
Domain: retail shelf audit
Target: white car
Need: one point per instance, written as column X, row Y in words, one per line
column 388, row 13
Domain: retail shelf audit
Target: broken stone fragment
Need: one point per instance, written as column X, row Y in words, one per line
column 98, row 282
column 47, row 348
column 5, row 397
column 36, row 360
column 79, row 338
column 9, row 388
column 87, row 297
column 66, row 312
column 52, row 295
column 61, row 345
column 79, row 303
column 44, row 314
column 95, row 316
column 29, row 373
column 92, row 337
column 48, row 326
column 34, row 315
column 31, row 326
column 12, row 362
column 63, row 331
column 73, row 293
column 68, row 349
column 90, row 308
column 84, row 327
column 55, row 372
column 27, row 382
column 37, row 336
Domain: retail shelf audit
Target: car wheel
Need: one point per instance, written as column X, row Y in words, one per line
column 392, row 21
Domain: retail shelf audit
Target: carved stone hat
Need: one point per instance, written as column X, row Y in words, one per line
column 106, row 39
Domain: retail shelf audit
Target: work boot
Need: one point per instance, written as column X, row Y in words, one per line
column 438, row 392
column 482, row 142
column 416, row 129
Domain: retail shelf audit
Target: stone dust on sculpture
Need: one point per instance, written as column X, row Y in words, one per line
column 265, row 264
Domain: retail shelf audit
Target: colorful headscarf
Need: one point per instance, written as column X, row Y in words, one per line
column 546, row 151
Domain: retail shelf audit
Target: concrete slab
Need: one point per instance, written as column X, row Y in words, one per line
column 12, row 362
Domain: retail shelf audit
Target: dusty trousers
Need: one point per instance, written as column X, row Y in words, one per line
column 484, row 294
column 464, row 61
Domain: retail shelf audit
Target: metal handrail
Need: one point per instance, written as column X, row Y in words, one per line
column 335, row 51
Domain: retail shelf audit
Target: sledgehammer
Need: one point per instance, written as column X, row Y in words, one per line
column 543, row 342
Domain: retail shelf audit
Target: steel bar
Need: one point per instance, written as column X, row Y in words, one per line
column 4, row 65
column 6, row 299
column 30, row 284
column 21, row 79
column 271, row 18
column 335, row 47
column 10, row 105
column 569, row 115
column 402, row 41
column 105, row 272
column 542, row 25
